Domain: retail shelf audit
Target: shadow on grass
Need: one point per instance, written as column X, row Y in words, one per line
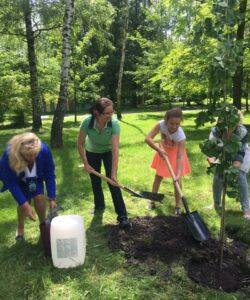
column 7, row 228
column 237, row 227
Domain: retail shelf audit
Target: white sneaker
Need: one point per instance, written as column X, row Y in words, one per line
column 246, row 217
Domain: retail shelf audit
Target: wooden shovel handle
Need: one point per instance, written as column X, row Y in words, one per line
column 165, row 157
column 109, row 180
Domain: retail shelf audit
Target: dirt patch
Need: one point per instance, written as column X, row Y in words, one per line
column 168, row 239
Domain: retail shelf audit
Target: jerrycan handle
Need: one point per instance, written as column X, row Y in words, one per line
column 53, row 214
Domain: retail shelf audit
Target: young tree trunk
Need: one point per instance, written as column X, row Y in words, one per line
column 120, row 75
column 36, row 111
column 222, row 227
column 56, row 139
column 238, row 76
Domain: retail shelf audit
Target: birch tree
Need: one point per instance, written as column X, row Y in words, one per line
column 56, row 139
column 120, row 74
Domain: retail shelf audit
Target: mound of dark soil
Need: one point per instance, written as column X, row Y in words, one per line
column 168, row 239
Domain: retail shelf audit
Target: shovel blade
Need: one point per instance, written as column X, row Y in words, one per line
column 197, row 226
column 145, row 195
column 152, row 196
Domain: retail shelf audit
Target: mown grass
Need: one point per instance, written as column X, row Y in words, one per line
column 27, row 274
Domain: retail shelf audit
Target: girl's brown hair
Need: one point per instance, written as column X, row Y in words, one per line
column 174, row 113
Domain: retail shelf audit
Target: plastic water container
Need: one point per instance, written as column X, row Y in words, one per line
column 68, row 241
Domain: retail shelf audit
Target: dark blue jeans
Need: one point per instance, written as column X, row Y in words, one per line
column 95, row 160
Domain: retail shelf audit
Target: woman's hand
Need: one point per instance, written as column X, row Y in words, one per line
column 211, row 160
column 28, row 211
column 88, row 168
column 114, row 177
column 237, row 164
column 52, row 204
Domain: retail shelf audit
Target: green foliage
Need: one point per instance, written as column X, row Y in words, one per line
column 212, row 148
column 232, row 179
column 225, row 147
column 181, row 76
column 91, row 48
column 185, row 50
column 227, row 56
column 14, row 82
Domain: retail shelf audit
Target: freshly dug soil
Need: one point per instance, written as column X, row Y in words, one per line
column 167, row 239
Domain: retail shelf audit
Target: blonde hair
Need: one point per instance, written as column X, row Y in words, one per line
column 21, row 145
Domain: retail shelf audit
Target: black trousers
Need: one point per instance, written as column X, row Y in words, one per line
column 95, row 160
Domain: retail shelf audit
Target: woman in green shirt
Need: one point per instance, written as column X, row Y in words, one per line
column 98, row 141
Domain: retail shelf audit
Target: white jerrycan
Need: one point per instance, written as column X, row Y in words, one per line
column 68, row 241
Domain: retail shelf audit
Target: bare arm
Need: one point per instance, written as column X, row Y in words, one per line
column 115, row 156
column 150, row 140
column 81, row 149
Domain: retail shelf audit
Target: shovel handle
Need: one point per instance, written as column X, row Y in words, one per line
column 165, row 157
column 109, row 180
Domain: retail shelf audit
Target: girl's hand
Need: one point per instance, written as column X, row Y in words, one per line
column 28, row 211
column 162, row 153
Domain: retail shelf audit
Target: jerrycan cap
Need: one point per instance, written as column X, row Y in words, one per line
column 53, row 214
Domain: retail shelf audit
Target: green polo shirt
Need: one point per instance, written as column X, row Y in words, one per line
column 99, row 141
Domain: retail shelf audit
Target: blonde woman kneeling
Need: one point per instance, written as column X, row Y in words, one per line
column 25, row 166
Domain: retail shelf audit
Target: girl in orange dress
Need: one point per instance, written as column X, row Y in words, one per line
column 173, row 145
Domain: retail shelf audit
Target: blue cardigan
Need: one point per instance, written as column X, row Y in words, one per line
column 45, row 172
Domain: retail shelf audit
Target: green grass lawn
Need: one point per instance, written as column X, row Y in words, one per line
column 27, row 274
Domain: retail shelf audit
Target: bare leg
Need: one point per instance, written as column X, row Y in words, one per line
column 155, row 189
column 40, row 207
column 156, row 184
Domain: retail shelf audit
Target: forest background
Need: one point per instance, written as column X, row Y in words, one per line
column 60, row 56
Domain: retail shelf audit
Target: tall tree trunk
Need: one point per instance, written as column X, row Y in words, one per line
column 56, row 139
column 36, row 111
column 247, row 90
column 238, row 76
column 120, row 75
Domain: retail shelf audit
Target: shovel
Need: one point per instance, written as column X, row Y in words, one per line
column 193, row 220
column 144, row 195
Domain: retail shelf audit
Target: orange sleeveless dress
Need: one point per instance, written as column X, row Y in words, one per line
column 171, row 148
